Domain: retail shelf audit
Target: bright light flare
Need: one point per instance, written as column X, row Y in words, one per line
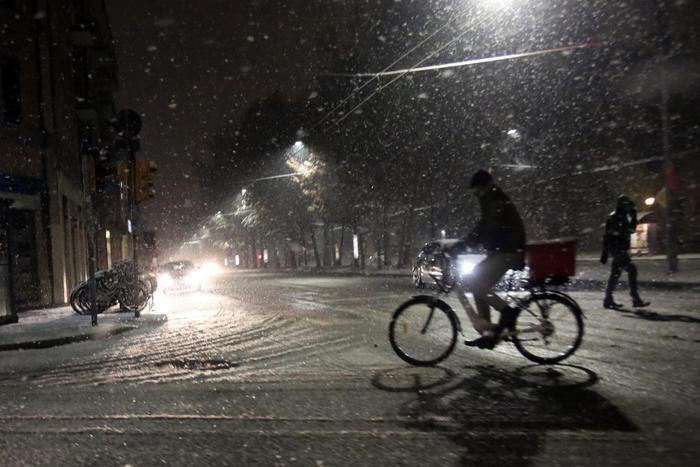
column 194, row 278
column 650, row 201
column 466, row 266
column 165, row 280
column 496, row 4
column 209, row 269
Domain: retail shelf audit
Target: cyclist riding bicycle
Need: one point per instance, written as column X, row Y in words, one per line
column 501, row 233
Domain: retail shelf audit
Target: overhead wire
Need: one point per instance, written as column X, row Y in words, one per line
column 475, row 61
column 406, row 71
column 386, row 69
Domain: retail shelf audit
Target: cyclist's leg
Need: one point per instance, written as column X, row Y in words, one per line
column 483, row 308
column 485, row 275
column 480, row 324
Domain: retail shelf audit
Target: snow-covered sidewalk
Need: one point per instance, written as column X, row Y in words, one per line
column 49, row 327
column 653, row 270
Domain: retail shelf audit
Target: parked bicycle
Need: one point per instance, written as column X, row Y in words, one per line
column 549, row 328
column 122, row 285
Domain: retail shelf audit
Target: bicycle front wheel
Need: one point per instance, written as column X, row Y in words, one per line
column 423, row 331
column 550, row 328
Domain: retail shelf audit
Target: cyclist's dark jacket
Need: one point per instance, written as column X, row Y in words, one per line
column 618, row 229
column 500, row 228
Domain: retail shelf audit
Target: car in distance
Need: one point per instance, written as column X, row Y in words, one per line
column 179, row 275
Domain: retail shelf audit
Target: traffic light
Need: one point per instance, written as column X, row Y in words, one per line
column 143, row 175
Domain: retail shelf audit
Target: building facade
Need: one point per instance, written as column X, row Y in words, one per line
column 59, row 75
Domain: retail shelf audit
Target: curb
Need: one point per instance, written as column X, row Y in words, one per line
column 585, row 283
column 91, row 334
column 658, row 285
column 64, row 340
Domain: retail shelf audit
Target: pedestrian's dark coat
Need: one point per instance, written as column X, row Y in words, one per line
column 618, row 229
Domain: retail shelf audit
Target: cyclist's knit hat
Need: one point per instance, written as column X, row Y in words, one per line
column 480, row 178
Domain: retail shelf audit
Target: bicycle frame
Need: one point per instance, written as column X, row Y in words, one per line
column 480, row 324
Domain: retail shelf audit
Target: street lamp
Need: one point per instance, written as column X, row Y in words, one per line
column 650, row 201
column 497, row 4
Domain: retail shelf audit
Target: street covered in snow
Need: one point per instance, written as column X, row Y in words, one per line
column 349, row 232
column 297, row 370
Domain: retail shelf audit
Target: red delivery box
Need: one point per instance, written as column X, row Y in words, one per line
column 552, row 260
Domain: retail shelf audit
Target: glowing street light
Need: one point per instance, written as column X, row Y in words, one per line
column 650, row 201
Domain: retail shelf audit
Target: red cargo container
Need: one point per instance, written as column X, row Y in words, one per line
column 552, row 261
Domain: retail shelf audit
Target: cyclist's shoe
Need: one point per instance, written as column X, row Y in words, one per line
column 506, row 323
column 639, row 303
column 610, row 304
column 487, row 342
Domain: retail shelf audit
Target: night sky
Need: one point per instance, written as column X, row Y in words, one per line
column 189, row 68
column 193, row 67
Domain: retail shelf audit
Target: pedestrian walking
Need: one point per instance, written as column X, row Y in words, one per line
column 616, row 243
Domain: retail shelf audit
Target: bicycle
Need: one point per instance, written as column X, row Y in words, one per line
column 549, row 328
column 114, row 286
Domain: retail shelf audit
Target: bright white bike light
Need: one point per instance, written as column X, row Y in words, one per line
column 466, row 267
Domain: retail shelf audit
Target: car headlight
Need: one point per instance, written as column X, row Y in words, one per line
column 165, row 280
column 193, row 278
column 210, row 269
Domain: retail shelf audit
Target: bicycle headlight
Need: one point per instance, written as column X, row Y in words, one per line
column 465, row 266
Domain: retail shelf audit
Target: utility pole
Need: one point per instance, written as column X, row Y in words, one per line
column 663, row 52
column 89, row 200
column 127, row 126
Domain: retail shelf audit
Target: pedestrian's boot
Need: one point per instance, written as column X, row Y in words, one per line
column 610, row 304
column 637, row 302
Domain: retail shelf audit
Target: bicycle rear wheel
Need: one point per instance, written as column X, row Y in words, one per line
column 550, row 328
column 423, row 331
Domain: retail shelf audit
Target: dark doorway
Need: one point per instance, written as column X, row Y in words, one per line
column 25, row 276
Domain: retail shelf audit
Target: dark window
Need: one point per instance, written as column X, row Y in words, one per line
column 11, row 90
